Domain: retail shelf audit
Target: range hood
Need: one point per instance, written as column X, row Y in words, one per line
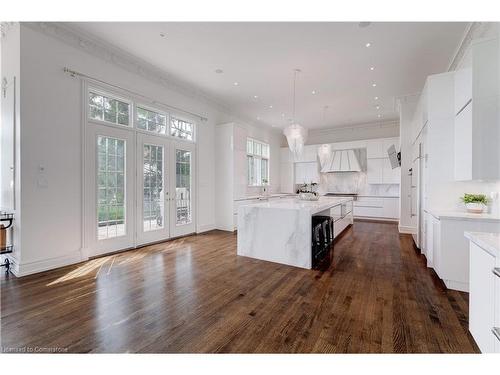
column 341, row 161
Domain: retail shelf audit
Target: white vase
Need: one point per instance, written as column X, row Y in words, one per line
column 475, row 208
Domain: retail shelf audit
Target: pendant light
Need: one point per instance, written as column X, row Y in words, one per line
column 296, row 135
column 325, row 150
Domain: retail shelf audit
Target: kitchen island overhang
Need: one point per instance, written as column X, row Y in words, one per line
column 280, row 231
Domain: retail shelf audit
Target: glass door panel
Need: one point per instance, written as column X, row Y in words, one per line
column 111, row 187
column 152, row 188
column 109, row 190
column 182, row 203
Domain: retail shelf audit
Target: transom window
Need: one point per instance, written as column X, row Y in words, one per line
column 152, row 121
column 107, row 108
column 104, row 108
column 257, row 162
column 181, row 129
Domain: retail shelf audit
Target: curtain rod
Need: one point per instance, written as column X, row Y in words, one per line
column 74, row 73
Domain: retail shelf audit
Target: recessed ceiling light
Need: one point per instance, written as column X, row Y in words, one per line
column 368, row 45
column 374, row 85
column 376, row 98
column 219, row 71
column 377, row 106
column 313, row 92
column 255, row 96
column 372, row 68
column 236, row 83
column 270, row 107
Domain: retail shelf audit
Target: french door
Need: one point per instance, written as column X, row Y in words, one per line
column 182, row 204
column 140, row 188
column 153, row 171
column 109, row 185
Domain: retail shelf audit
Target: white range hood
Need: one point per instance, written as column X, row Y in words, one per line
column 341, row 161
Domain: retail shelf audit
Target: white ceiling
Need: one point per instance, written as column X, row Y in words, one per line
column 261, row 57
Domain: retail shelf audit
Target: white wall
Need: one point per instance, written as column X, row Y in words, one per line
column 266, row 135
column 10, row 182
column 51, row 138
column 373, row 130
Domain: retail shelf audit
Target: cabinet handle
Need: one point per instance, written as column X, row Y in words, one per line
column 496, row 271
column 496, row 332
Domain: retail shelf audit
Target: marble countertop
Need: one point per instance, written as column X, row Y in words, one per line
column 462, row 215
column 490, row 242
column 264, row 196
column 313, row 207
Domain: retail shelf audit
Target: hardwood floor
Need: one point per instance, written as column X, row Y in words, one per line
column 195, row 295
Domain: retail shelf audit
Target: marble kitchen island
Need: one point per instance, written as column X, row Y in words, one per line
column 280, row 231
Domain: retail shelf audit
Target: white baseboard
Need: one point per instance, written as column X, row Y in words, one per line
column 406, row 229
column 457, row 285
column 205, row 228
column 28, row 268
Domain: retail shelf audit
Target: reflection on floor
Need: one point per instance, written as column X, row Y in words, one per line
column 195, row 295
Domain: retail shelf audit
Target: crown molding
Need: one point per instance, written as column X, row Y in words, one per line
column 475, row 30
column 124, row 60
column 371, row 125
column 5, row 27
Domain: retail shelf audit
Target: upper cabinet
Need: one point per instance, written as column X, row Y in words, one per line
column 477, row 121
column 463, row 89
column 379, row 170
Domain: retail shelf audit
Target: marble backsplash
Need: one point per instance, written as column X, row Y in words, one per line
column 354, row 182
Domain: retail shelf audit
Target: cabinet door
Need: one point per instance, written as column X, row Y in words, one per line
column 463, row 88
column 374, row 174
column 481, row 298
column 391, row 208
column 429, row 239
column 374, row 148
column 463, row 144
column 389, row 175
column 287, row 178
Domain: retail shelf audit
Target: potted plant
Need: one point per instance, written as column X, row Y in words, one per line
column 475, row 203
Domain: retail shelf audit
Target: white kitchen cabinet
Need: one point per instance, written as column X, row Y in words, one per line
column 477, row 126
column 463, row 88
column 309, row 154
column 306, row 172
column 376, row 208
column 463, row 144
column 389, row 175
column 374, row 171
column 450, row 256
column 481, row 298
column 374, row 149
column 379, row 171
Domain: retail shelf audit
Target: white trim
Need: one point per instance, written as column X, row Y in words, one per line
column 25, row 269
column 456, row 285
column 407, row 229
column 206, row 228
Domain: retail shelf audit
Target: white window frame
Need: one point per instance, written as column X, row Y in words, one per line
column 152, row 109
column 133, row 104
column 112, row 95
column 260, row 157
column 182, row 118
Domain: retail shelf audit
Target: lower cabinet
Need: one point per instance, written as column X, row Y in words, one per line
column 483, row 283
column 377, row 208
